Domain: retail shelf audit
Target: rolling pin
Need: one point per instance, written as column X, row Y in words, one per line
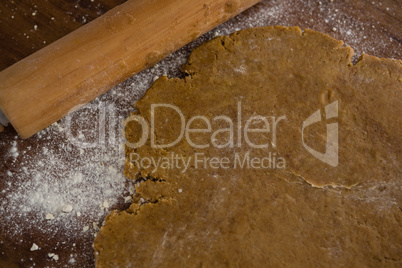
column 69, row 73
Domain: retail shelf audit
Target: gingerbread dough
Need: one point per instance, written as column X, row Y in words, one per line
column 302, row 212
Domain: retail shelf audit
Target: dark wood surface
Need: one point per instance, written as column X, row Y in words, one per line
column 19, row 37
column 368, row 26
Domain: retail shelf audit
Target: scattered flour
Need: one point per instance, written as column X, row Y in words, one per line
column 34, row 247
column 49, row 216
column 53, row 256
column 67, row 208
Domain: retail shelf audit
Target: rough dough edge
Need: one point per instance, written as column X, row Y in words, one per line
column 363, row 59
column 336, row 44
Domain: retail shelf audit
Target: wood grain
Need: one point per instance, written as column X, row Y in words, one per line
column 82, row 65
column 53, row 19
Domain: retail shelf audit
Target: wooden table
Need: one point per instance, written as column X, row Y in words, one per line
column 27, row 25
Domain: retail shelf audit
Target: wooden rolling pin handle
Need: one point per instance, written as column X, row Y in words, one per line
column 74, row 70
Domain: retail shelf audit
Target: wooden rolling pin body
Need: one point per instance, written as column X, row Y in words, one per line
column 74, row 70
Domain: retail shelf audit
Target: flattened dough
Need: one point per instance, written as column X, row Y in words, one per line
column 308, row 213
